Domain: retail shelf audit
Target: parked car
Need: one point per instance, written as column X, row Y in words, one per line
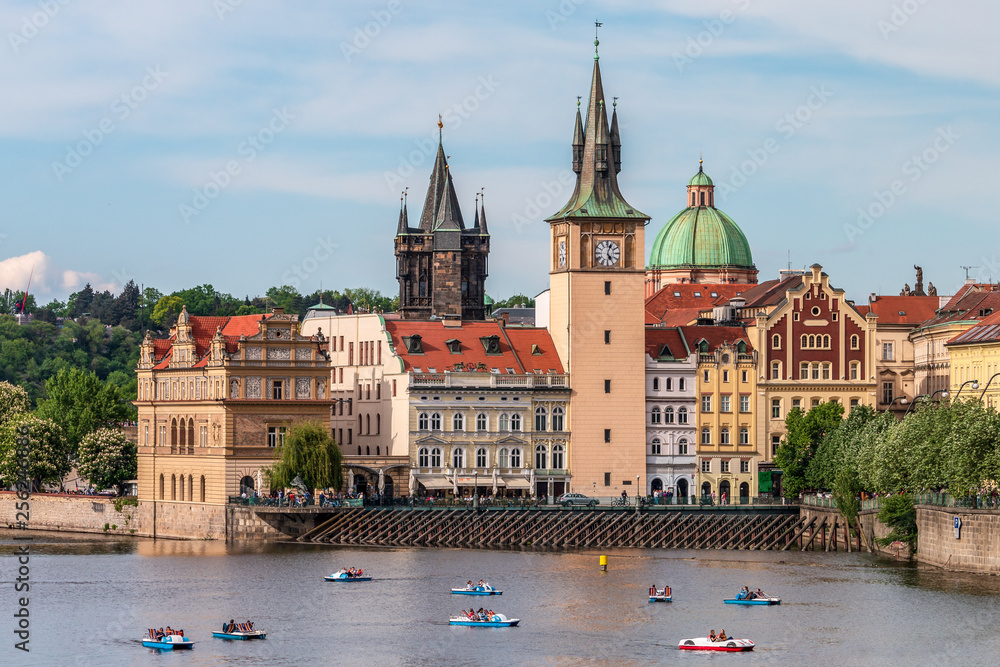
column 568, row 499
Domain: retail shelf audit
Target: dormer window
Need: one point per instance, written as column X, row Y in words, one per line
column 413, row 344
column 535, row 350
column 491, row 344
column 703, row 347
column 741, row 347
column 454, row 346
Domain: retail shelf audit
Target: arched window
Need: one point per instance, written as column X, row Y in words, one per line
column 190, row 442
column 202, row 488
column 724, row 436
column 558, row 457
column 423, row 458
column 541, row 457
column 458, row 422
column 776, row 342
column 182, row 487
column 826, row 342
column 655, row 447
column 458, row 458
column 680, row 384
column 482, row 422
column 706, row 436
column 805, row 341
column 515, row 457
column 855, row 342
column 682, row 415
column 436, row 457
column 191, row 488
column 436, row 421
column 504, row 422
column 682, row 446
column 541, row 419
column 368, row 424
column 654, row 416
column 173, row 432
column 703, row 198
column 378, row 424
column 557, row 419
column 656, row 384
column 515, row 422
column 423, row 421
column 668, row 415
column 368, row 450
column 173, row 487
column 503, row 458
column 161, row 486
column 482, row 458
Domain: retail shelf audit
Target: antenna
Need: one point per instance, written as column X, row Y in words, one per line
column 967, row 270
column 789, row 260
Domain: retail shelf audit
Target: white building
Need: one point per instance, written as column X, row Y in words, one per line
column 671, row 367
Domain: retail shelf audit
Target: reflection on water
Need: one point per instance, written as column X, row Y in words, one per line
column 93, row 595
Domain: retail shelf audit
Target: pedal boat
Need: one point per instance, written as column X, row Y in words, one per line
column 768, row 600
column 660, row 594
column 342, row 576
column 167, row 643
column 706, row 644
column 242, row 632
column 496, row 621
column 476, row 590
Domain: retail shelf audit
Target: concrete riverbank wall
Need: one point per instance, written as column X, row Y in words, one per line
column 976, row 549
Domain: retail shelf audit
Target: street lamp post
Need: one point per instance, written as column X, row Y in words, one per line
column 475, row 491
column 930, row 397
column 900, row 399
column 974, row 383
column 995, row 375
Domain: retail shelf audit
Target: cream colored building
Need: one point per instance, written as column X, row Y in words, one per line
column 975, row 362
column 894, row 355
column 217, row 397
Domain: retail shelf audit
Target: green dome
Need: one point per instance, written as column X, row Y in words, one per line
column 488, row 300
column 700, row 236
column 701, row 178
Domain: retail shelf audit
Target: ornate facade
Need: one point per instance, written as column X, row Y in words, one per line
column 441, row 265
column 217, row 397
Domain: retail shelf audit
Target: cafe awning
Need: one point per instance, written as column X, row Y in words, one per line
column 517, row 483
column 436, row 482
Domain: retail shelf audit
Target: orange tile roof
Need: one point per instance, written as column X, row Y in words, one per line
column 515, row 347
column 681, row 317
column 716, row 336
column 692, row 295
column 911, row 310
column 203, row 329
column 986, row 331
column 666, row 342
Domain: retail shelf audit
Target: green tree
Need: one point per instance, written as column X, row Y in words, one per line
column 900, row 516
column 310, row 453
column 13, row 401
column 80, row 404
column 107, row 458
column 514, row 301
column 804, row 433
column 166, row 310
column 286, row 297
column 48, row 458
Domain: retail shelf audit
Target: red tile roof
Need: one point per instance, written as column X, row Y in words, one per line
column 516, row 344
column 968, row 305
column 716, row 336
column 668, row 342
column 911, row 310
column 203, row 329
column 691, row 295
column 986, row 331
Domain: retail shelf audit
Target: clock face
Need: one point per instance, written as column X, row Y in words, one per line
column 562, row 253
column 607, row 253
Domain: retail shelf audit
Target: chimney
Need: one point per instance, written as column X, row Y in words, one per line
column 504, row 319
column 278, row 310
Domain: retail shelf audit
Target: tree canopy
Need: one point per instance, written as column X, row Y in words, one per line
column 48, row 456
column 106, row 459
column 309, row 452
column 80, row 403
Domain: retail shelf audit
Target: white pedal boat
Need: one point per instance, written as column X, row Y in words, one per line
column 476, row 590
column 660, row 594
column 706, row 644
column 495, row 621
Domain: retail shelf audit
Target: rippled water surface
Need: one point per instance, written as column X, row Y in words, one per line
column 91, row 598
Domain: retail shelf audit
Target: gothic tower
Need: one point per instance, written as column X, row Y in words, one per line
column 596, row 315
column 440, row 264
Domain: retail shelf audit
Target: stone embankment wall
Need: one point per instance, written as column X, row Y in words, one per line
column 97, row 514
column 976, row 550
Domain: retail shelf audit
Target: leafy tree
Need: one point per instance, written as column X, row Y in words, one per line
column 899, row 515
column 80, row 404
column 47, row 460
column 310, row 453
column 515, row 301
column 13, row 401
column 970, row 451
column 805, row 432
column 847, row 494
column 126, row 307
column 167, row 309
column 371, row 300
column 834, row 451
column 80, row 302
column 107, row 458
column 286, row 297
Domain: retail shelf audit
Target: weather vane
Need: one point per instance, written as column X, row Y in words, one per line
column 597, row 24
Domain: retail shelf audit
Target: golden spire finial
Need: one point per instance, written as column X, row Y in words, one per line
column 440, row 124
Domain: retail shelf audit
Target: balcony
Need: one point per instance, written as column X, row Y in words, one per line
column 450, row 380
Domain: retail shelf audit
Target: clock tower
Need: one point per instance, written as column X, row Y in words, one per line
column 597, row 316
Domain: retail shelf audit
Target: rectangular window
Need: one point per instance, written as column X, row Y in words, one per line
column 804, row 371
column 743, row 377
column 341, row 343
column 145, row 435
column 744, row 436
column 796, row 403
column 706, row 403
column 393, row 386
column 706, row 465
column 607, row 435
column 795, row 317
column 607, row 337
column 887, row 393
column 886, row 351
column 380, row 353
column 705, row 376
column 724, row 436
column 834, row 316
column 204, row 436
column 350, row 353
column 725, row 376
column 854, row 403
column 275, row 436
column 725, row 465
column 607, row 479
column 744, row 466
column 854, row 371
column 706, row 436
column 341, row 375
column 655, row 448
column 775, row 370
column 682, row 446
column 680, row 384
column 744, row 404
column 607, row 287
column 775, row 443
column 607, row 386
column 775, row 408
column 340, row 436
column 350, row 436
column 724, row 404
column 815, row 371
column 276, row 389
column 378, row 391
column 826, row 371
column 163, row 436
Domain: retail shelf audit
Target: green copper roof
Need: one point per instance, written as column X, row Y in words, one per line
column 321, row 306
column 488, row 300
column 701, row 178
column 700, row 236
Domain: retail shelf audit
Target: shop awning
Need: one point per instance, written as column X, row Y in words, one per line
column 517, row 483
column 435, row 482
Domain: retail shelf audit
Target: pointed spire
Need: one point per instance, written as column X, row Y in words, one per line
column 404, row 223
column 616, row 142
column 483, row 231
column 578, row 140
column 449, row 215
column 476, row 224
column 440, row 192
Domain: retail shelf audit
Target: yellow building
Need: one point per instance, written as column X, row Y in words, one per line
column 596, row 316
column 726, row 450
column 975, row 362
column 217, row 397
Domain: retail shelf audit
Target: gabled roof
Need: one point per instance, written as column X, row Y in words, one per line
column 770, row 292
column 691, row 296
column 909, row 310
column 986, row 331
column 517, row 347
column 715, row 336
column 668, row 343
column 203, row 329
column 969, row 304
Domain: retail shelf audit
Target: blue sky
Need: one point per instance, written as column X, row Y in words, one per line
column 248, row 144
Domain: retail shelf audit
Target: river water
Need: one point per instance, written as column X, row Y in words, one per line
column 92, row 596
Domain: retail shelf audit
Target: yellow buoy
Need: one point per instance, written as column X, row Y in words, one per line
column 604, row 563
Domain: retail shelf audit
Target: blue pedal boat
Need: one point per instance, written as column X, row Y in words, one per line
column 765, row 601
column 240, row 631
column 343, row 576
column 476, row 590
column 660, row 594
column 168, row 643
column 495, row 621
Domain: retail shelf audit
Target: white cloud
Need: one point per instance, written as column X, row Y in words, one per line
column 45, row 278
